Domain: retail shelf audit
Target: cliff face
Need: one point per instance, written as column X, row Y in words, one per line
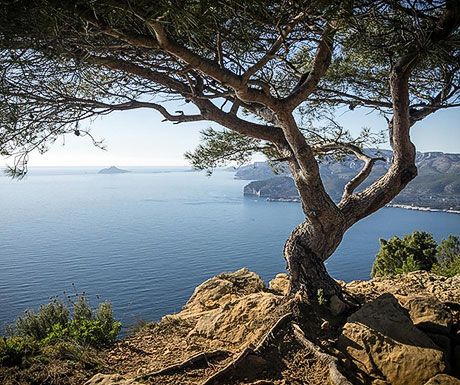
column 282, row 187
column 235, row 330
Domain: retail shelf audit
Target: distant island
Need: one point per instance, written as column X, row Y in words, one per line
column 113, row 170
column 436, row 188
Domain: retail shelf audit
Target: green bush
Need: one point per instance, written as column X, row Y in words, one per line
column 13, row 349
column 418, row 251
column 413, row 252
column 55, row 325
column 36, row 325
column 90, row 332
column 448, row 257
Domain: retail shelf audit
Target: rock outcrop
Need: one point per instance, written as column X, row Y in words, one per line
column 230, row 306
column 407, row 321
column 279, row 188
column 384, row 343
column 418, row 283
column 406, row 332
column 280, row 284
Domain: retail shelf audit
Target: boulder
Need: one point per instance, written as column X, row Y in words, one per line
column 243, row 321
column 223, row 289
column 232, row 308
column 280, row 284
column 442, row 379
column 430, row 315
column 382, row 341
column 110, row 379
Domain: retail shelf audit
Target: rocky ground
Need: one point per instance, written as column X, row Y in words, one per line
column 234, row 330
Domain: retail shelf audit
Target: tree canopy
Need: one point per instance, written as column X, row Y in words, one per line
column 267, row 71
column 63, row 62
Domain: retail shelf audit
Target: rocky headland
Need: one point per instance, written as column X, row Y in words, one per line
column 234, row 329
column 437, row 186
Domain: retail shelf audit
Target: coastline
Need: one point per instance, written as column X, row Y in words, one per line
column 394, row 205
column 418, row 208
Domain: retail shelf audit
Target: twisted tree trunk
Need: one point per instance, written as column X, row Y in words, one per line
column 305, row 251
column 314, row 240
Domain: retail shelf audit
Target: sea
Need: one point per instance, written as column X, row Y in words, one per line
column 145, row 239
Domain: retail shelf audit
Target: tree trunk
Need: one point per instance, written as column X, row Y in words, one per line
column 305, row 251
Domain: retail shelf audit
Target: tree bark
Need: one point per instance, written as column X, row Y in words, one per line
column 314, row 240
column 305, row 251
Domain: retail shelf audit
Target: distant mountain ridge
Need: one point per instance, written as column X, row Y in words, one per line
column 436, row 186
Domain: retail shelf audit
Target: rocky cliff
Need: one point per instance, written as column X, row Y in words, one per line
column 234, row 330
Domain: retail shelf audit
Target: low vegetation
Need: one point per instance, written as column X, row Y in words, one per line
column 418, row 251
column 60, row 339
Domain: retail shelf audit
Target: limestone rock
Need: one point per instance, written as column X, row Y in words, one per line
column 443, row 379
column 382, row 341
column 232, row 308
column 280, row 284
column 430, row 315
column 240, row 321
column 417, row 283
column 223, row 289
column 110, row 379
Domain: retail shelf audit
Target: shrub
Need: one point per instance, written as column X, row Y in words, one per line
column 448, row 257
column 36, row 325
column 72, row 351
column 413, row 252
column 13, row 349
column 89, row 332
column 54, row 329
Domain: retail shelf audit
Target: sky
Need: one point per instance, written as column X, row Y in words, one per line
column 140, row 138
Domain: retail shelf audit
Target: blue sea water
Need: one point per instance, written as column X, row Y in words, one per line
column 144, row 240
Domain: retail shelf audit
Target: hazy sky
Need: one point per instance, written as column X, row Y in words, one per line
column 137, row 138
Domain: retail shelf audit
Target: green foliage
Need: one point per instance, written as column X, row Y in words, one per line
column 218, row 148
column 320, row 296
column 408, row 265
column 13, row 349
column 448, row 257
column 418, row 251
column 54, row 331
column 90, row 332
column 413, row 252
column 36, row 324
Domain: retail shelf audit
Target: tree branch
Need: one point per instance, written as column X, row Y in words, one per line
column 274, row 48
column 321, row 63
column 369, row 162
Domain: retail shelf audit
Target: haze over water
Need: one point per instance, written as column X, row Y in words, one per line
column 144, row 240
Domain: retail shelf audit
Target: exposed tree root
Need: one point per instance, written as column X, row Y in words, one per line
column 190, row 362
column 238, row 365
column 271, row 333
column 335, row 376
column 349, row 300
column 230, row 367
column 282, row 321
